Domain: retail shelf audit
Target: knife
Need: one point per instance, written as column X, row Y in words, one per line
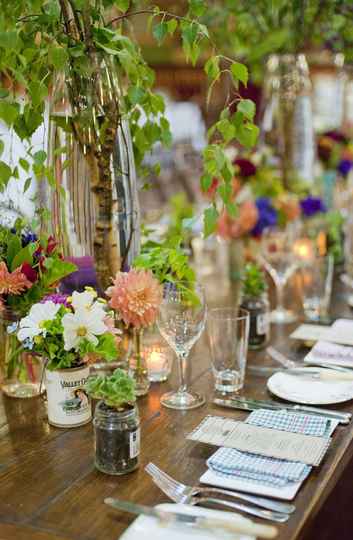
column 253, row 404
column 320, row 375
column 237, row 525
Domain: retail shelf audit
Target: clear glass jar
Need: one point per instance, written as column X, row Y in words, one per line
column 259, row 310
column 117, row 439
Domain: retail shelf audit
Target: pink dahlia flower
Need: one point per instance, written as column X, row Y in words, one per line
column 136, row 296
column 13, row 282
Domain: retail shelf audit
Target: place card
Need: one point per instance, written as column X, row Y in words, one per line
column 220, row 431
column 330, row 353
column 341, row 331
column 310, row 332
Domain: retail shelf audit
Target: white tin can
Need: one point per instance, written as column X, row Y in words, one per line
column 68, row 403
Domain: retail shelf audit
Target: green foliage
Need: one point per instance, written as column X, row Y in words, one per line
column 39, row 38
column 334, row 222
column 116, row 390
column 254, row 283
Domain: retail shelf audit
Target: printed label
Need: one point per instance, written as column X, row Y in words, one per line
column 68, row 402
column 262, row 324
column 135, row 443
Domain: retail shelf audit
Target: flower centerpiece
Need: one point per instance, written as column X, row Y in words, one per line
column 30, row 268
column 135, row 296
column 116, row 422
column 67, row 333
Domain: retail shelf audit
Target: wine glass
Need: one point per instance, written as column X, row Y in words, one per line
column 280, row 262
column 181, row 322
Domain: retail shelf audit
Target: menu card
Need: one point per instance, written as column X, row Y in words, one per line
column 341, row 331
column 331, row 353
column 221, row 431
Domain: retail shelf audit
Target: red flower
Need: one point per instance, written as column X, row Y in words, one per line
column 29, row 272
column 51, row 246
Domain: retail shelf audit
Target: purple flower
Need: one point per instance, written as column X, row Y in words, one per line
column 246, row 167
column 344, row 166
column 56, row 298
column 268, row 216
column 28, row 237
column 312, row 205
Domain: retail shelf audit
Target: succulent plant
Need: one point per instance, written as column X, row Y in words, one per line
column 116, row 390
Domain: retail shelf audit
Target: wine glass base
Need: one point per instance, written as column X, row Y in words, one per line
column 283, row 316
column 182, row 400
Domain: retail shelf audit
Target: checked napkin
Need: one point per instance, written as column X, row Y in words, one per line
column 286, row 421
column 265, row 470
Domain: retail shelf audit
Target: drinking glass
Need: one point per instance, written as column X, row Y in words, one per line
column 228, row 332
column 181, row 322
column 281, row 262
column 317, row 287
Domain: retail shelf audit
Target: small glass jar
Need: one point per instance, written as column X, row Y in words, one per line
column 117, row 439
column 259, row 309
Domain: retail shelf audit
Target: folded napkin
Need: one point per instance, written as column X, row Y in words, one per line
column 307, row 424
column 265, row 470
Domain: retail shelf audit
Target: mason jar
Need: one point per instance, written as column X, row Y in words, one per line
column 259, row 309
column 117, row 439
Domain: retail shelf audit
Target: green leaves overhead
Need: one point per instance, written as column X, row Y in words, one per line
column 239, row 72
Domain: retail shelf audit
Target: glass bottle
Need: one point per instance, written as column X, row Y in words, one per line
column 117, row 439
column 138, row 366
column 287, row 119
column 259, row 310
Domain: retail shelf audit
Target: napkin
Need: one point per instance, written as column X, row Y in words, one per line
column 286, row 421
column 266, row 470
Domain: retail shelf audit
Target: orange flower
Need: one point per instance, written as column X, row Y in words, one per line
column 290, row 207
column 136, row 296
column 13, row 282
column 229, row 227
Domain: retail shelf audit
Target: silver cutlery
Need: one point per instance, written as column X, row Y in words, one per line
column 286, row 362
column 237, row 525
column 254, row 404
column 180, row 493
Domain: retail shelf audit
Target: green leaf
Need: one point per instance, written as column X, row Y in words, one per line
column 3, row 93
column 210, row 220
column 239, row 72
column 27, row 184
column 172, row 26
column 226, row 129
column 247, row 108
column 9, row 112
column 5, row 173
column 58, row 57
column 24, row 255
column 39, row 157
column 13, row 248
column 10, row 40
column 160, row 30
column 197, row 8
column 247, row 135
column 24, row 164
column 206, row 182
column 38, row 92
column 212, row 68
column 123, row 5
column 2, row 146
column 136, row 94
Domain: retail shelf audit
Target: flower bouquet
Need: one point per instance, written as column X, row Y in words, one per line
column 30, row 268
column 69, row 333
column 136, row 296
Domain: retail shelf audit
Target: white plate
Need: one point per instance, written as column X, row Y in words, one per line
column 148, row 527
column 309, row 392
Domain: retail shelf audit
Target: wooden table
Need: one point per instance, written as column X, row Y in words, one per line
column 50, row 490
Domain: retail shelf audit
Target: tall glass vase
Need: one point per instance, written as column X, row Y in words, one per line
column 287, row 122
column 93, row 200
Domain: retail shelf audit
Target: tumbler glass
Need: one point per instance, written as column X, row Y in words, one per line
column 317, row 287
column 228, row 332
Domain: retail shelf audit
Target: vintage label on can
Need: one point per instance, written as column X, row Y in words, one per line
column 68, row 402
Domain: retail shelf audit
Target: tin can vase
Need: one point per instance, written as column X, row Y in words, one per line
column 117, row 439
column 68, row 402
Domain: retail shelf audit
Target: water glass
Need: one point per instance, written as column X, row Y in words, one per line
column 228, row 332
column 317, row 287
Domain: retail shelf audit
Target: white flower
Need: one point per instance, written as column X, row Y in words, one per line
column 32, row 324
column 85, row 301
column 84, row 324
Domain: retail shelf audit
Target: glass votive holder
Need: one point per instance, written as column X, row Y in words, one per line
column 158, row 356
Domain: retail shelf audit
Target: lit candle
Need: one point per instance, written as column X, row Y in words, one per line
column 158, row 360
column 303, row 249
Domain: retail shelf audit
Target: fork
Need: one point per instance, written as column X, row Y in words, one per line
column 182, row 493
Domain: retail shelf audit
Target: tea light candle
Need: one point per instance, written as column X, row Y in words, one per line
column 303, row 249
column 158, row 360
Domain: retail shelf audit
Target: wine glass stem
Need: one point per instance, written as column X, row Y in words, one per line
column 182, row 371
column 280, row 295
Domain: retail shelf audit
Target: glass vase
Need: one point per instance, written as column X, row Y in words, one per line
column 93, row 200
column 287, row 120
column 236, row 260
column 21, row 373
column 138, row 366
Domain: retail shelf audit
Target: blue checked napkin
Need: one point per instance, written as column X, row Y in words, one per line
column 229, row 462
column 287, row 421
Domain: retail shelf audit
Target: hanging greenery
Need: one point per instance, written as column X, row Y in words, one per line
column 39, row 38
